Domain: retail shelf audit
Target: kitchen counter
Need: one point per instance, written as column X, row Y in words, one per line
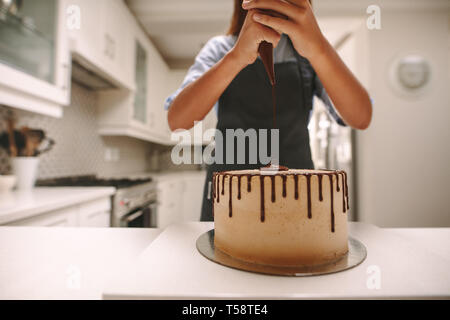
column 65, row 263
column 400, row 264
column 83, row 263
column 18, row 205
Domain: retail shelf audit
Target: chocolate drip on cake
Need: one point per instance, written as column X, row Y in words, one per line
column 308, row 188
column 261, row 179
column 340, row 187
column 272, row 180
column 320, row 187
column 332, row 202
column 218, row 191
column 230, row 204
column 213, row 187
column 344, row 207
column 346, row 192
column 239, row 187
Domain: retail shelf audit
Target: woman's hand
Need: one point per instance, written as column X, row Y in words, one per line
column 252, row 34
column 301, row 25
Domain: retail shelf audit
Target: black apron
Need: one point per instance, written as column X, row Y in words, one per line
column 247, row 103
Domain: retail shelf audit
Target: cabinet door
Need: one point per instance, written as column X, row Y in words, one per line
column 66, row 217
column 140, row 96
column 170, row 202
column 116, row 42
column 193, row 184
column 34, row 56
column 95, row 213
column 86, row 38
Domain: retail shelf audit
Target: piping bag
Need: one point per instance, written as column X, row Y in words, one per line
column 265, row 49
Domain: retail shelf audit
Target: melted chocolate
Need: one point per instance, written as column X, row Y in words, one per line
column 272, row 180
column 271, row 167
column 308, row 188
column 230, row 203
column 296, row 187
column 265, row 51
column 320, row 187
column 284, row 177
column 239, row 187
column 344, row 207
column 274, row 107
column 249, row 185
column 261, row 179
column 332, row 202
column 218, row 193
column 223, row 184
column 346, row 192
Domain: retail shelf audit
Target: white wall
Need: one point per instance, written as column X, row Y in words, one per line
column 403, row 159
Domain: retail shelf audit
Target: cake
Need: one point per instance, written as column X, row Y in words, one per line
column 287, row 217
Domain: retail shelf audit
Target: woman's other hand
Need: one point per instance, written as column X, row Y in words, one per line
column 245, row 51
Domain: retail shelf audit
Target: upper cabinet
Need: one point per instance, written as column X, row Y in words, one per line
column 138, row 114
column 102, row 41
column 34, row 56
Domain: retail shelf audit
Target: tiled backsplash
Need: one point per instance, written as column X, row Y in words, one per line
column 79, row 149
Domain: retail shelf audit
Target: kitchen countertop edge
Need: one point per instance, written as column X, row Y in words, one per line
column 72, row 196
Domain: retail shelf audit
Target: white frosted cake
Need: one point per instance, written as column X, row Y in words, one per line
column 288, row 217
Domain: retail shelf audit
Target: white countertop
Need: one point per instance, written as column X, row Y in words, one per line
column 81, row 263
column 24, row 204
column 65, row 263
column 406, row 267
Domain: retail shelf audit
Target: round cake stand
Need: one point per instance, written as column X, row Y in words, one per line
column 356, row 254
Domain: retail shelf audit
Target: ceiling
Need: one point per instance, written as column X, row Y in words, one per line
column 180, row 28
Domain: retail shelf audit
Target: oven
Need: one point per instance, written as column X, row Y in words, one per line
column 135, row 207
column 141, row 217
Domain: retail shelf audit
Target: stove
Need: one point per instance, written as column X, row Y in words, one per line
column 91, row 181
column 133, row 205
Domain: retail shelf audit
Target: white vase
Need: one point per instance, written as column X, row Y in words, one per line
column 25, row 169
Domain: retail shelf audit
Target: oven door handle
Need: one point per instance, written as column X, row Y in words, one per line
column 134, row 216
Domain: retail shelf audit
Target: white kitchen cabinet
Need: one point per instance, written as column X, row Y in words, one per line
column 193, row 184
column 101, row 43
column 66, row 217
column 140, row 113
column 180, row 197
column 34, row 58
column 95, row 213
column 169, row 201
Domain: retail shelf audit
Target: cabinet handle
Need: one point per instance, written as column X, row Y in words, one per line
column 113, row 48
column 106, row 48
column 66, row 76
column 110, row 47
